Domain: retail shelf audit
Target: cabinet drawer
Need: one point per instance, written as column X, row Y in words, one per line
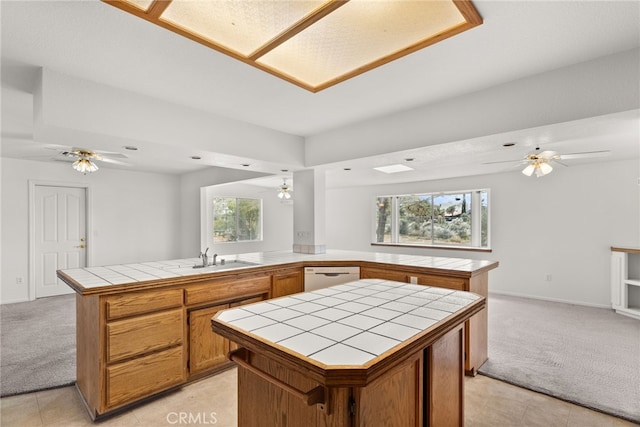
column 143, row 334
column 144, row 376
column 142, row 302
column 456, row 283
column 226, row 289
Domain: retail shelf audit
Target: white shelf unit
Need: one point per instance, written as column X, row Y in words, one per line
column 625, row 281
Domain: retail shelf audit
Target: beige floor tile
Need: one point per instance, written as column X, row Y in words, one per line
column 61, row 405
column 21, row 410
column 624, row 423
column 584, row 417
column 207, row 402
column 488, row 403
column 544, row 411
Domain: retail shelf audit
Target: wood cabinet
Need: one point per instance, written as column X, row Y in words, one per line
column 424, row 388
column 129, row 345
column 476, row 334
column 206, row 349
column 133, row 345
column 135, row 340
column 287, row 282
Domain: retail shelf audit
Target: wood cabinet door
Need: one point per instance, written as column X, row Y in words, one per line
column 287, row 283
column 206, row 348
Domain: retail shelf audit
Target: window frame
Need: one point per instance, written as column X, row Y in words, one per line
column 475, row 219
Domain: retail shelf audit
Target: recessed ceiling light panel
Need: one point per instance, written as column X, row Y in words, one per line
column 312, row 43
column 394, row 168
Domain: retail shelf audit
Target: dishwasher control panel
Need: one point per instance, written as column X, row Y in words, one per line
column 323, row 277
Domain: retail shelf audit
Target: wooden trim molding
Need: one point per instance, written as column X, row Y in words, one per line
column 446, row 248
column 627, row 250
column 454, row 17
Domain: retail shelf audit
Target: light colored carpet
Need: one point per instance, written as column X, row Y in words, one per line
column 585, row 355
column 37, row 345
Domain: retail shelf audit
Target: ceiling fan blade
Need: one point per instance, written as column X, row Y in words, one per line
column 111, row 154
column 547, row 154
column 112, row 161
column 518, row 161
column 585, row 155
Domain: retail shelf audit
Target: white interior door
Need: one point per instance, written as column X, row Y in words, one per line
column 60, row 236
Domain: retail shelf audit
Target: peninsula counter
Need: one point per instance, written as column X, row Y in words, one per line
column 145, row 328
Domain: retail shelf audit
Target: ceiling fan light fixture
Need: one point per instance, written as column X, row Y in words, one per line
column 84, row 165
column 540, row 168
column 283, row 191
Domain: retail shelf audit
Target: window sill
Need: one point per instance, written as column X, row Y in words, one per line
column 449, row 248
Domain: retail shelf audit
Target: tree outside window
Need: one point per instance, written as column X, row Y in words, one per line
column 443, row 219
column 236, row 219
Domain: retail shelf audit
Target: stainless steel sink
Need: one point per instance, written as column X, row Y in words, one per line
column 197, row 268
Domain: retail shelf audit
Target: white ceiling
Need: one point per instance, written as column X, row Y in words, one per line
column 93, row 41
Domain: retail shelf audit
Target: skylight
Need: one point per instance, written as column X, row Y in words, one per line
column 394, row 168
column 314, row 44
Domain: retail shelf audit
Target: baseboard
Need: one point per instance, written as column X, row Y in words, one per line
column 582, row 303
column 2, row 302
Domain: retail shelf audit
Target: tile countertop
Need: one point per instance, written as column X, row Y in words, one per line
column 163, row 271
column 352, row 324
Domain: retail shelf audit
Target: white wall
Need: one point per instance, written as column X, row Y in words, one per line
column 594, row 88
column 277, row 220
column 135, row 217
column 562, row 224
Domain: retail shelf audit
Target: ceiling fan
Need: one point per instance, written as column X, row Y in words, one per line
column 540, row 162
column 85, row 159
column 284, row 191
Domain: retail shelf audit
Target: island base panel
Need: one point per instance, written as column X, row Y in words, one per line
column 426, row 389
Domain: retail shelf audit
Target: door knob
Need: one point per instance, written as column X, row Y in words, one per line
column 81, row 246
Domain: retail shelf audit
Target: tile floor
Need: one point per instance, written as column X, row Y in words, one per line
column 488, row 403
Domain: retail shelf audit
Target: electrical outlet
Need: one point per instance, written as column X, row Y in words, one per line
column 19, row 281
column 548, row 277
column 413, row 280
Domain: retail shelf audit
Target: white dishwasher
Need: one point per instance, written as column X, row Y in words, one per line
column 323, row 277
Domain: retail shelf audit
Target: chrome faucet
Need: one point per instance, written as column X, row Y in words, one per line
column 205, row 258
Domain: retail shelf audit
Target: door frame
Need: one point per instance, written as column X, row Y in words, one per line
column 32, row 226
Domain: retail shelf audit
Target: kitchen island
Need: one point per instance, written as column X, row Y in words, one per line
column 370, row 352
column 145, row 328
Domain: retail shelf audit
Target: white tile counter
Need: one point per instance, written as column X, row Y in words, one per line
column 352, row 324
column 368, row 352
column 94, row 279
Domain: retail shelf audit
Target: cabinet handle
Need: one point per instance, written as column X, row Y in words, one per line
column 312, row 397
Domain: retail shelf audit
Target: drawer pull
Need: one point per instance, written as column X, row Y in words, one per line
column 312, row 397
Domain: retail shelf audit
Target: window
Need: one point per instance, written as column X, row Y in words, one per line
column 236, row 219
column 444, row 219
